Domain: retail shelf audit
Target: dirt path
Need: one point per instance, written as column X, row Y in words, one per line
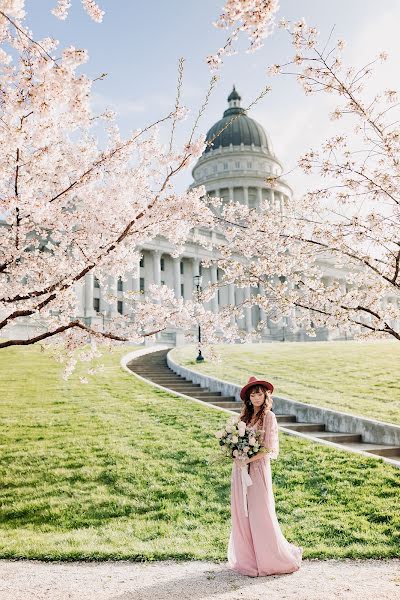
column 316, row 580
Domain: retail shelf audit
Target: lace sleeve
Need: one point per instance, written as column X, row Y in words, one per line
column 271, row 436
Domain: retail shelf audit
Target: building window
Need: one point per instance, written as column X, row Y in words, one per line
column 249, row 165
column 162, row 263
column 142, row 284
column 120, row 285
column 225, row 166
column 182, row 290
column 181, row 267
column 237, row 164
column 120, row 307
column 200, row 269
column 162, row 282
column 96, row 283
column 96, row 304
column 142, row 261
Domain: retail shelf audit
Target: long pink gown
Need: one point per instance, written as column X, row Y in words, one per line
column 257, row 546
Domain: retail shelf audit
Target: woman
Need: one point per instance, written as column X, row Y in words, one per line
column 257, row 546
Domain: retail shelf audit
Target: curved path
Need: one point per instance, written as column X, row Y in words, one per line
column 197, row 580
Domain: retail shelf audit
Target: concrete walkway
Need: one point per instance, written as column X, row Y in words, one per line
column 197, row 580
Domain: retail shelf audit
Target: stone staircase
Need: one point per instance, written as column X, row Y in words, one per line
column 154, row 367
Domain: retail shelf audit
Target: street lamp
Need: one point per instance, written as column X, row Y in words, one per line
column 103, row 314
column 197, row 280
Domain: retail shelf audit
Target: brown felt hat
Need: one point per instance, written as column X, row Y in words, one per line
column 252, row 382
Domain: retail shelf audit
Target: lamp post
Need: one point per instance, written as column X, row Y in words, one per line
column 197, row 280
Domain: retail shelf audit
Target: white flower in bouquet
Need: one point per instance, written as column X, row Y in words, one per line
column 242, row 428
column 237, row 440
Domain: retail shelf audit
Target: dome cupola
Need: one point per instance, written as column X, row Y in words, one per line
column 236, row 128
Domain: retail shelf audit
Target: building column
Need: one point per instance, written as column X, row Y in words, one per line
column 214, row 279
column 80, row 296
column 247, row 310
column 272, row 199
column 217, row 195
column 89, row 281
column 156, row 256
column 230, row 190
column 246, row 195
column 112, row 290
column 259, row 197
column 231, row 299
column 177, row 276
column 262, row 311
column 133, row 283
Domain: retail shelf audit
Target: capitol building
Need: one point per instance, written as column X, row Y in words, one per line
column 234, row 166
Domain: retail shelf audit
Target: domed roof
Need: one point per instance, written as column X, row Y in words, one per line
column 242, row 129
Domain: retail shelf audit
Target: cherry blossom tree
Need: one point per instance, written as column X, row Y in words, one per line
column 351, row 222
column 70, row 206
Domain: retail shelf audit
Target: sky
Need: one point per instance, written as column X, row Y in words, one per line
column 138, row 45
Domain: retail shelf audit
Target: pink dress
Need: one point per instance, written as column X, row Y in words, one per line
column 257, row 546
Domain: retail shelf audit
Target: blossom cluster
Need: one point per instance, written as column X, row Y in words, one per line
column 255, row 17
column 92, row 9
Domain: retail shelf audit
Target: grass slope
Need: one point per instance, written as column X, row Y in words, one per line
column 118, row 469
column 353, row 377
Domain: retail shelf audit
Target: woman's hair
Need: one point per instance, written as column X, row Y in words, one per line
column 247, row 411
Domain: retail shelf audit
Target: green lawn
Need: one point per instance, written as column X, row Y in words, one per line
column 118, row 469
column 354, row 377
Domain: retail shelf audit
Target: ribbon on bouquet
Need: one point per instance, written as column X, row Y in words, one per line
column 246, row 481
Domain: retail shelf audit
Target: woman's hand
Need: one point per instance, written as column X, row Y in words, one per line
column 240, row 461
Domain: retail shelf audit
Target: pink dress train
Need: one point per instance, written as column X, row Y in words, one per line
column 257, row 546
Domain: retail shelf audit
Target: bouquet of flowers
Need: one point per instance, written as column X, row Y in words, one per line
column 238, row 440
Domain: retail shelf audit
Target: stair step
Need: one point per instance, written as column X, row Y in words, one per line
column 178, row 386
column 339, row 438
column 194, row 394
column 159, row 373
column 206, row 392
column 380, row 449
column 169, row 380
column 286, row 418
column 191, row 392
column 304, row 426
column 165, row 379
column 226, row 404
